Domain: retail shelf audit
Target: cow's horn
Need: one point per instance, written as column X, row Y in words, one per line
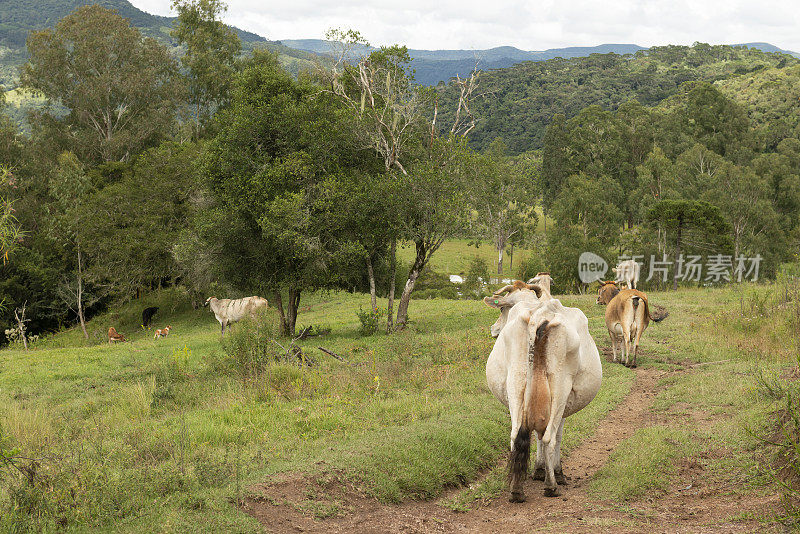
column 503, row 290
column 536, row 289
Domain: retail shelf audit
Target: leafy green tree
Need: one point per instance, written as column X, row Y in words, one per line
column 688, row 219
column 131, row 225
column 121, row 90
column 589, row 205
column 503, row 201
column 434, row 206
column 210, row 57
column 556, row 165
column 70, row 187
column 273, row 168
column 716, row 121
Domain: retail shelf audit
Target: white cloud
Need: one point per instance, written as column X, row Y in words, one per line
column 527, row 25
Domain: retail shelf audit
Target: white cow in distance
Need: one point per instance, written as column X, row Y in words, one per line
column 628, row 272
column 544, row 367
column 229, row 311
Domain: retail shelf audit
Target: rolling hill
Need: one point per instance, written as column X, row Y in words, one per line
column 19, row 17
column 525, row 97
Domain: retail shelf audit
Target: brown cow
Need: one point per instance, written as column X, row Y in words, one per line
column 627, row 317
column 114, row 336
column 608, row 290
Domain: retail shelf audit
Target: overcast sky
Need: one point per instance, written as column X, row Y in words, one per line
column 528, row 25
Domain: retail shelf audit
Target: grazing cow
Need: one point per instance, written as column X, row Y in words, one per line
column 228, row 311
column 114, row 336
column 627, row 317
column 147, row 316
column 162, row 332
column 608, row 290
column 544, row 281
column 628, row 272
column 544, row 367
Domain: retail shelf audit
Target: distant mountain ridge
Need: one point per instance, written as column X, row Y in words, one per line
column 434, row 66
column 20, row 17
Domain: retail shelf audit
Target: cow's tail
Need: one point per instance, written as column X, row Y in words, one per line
column 518, row 462
column 535, row 410
column 660, row 315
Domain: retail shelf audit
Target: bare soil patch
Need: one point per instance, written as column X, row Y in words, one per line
column 693, row 505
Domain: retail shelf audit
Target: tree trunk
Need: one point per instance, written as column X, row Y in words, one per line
column 392, row 275
column 416, row 269
column 294, row 304
column 79, row 295
column 677, row 255
column 372, row 296
column 500, row 261
column 279, row 304
column 511, row 258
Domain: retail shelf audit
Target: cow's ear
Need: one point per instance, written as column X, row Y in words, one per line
column 493, row 302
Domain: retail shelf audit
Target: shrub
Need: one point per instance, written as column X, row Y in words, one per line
column 371, row 320
column 250, row 345
column 476, row 278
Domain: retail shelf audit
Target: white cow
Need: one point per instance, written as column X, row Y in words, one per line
column 229, row 311
column 544, row 367
column 628, row 272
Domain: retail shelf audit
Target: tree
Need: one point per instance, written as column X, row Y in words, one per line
column 556, row 166
column 434, row 206
column 715, row 121
column 680, row 217
column 210, row 57
column 504, row 200
column 131, row 224
column 391, row 119
column 272, row 220
column 121, row 90
column 70, row 187
column 589, row 204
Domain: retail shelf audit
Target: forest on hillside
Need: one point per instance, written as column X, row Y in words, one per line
column 520, row 101
column 222, row 171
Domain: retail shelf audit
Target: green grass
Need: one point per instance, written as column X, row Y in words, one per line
column 455, row 254
column 162, row 435
column 641, row 463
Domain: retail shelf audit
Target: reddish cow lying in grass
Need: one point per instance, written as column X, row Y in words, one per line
column 114, row 336
column 544, row 367
column 627, row 317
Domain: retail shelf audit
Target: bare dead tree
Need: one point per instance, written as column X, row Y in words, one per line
column 19, row 315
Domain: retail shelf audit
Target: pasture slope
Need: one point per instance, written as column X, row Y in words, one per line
column 170, row 436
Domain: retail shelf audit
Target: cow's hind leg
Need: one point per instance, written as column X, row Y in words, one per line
column 613, row 344
column 539, row 466
column 559, row 472
column 626, row 345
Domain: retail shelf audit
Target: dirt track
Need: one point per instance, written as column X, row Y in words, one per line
column 692, row 506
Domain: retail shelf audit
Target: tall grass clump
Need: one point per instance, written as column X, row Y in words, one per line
column 251, row 344
column 785, row 439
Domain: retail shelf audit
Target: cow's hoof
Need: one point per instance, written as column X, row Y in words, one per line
column 552, row 492
column 538, row 474
column 633, row 366
column 516, row 497
column 560, row 478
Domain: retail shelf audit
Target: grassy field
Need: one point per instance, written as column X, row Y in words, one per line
column 165, row 435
